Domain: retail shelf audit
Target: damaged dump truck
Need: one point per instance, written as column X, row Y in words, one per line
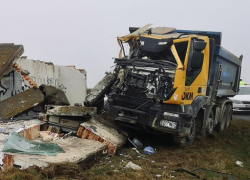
column 173, row 81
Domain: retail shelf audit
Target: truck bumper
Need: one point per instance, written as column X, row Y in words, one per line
column 142, row 113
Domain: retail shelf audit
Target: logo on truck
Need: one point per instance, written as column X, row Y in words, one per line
column 187, row 96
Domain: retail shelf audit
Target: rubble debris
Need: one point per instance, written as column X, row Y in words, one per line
column 16, row 143
column 158, row 175
column 28, row 129
column 53, row 95
column 70, row 110
column 101, row 88
column 97, row 131
column 9, row 53
column 77, row 150
column 54, row 129
column 133, row 166
column 45, row 136
column 239, row 163
column 20, row 103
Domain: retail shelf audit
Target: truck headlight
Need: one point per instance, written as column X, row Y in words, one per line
column 237, row 102
column 168, row 124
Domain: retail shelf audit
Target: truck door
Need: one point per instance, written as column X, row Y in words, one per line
column 195, row 60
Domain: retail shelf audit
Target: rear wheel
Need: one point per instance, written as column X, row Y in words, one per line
column 221, row 125
column 229, row 115
column 210, row 123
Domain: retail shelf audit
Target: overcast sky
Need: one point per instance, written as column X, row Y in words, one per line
column 83, row 32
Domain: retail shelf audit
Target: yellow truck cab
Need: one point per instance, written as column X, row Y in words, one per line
column 173, row 81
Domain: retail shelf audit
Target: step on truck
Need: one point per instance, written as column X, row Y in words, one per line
column 173, row 81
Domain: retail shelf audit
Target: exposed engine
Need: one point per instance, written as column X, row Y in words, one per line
column 144, row 83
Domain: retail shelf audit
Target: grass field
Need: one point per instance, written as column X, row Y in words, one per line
column 217, row 153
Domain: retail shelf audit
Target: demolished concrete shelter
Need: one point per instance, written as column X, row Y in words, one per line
column 43, row 101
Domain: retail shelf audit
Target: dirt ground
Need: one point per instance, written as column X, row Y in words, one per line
column 217, row 155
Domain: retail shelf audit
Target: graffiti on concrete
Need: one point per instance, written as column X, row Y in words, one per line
column 12, row 84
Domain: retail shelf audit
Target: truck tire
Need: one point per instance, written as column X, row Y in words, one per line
column 229, row 115
column 221, row 125
column 188, row 140
column 210, row 125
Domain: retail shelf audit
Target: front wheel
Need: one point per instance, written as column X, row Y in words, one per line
column 189, row 139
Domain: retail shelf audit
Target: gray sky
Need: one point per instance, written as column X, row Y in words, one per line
column 82, row 32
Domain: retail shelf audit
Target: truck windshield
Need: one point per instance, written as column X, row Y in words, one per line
column 244, row 91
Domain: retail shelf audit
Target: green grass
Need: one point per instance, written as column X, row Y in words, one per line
column 217, row 154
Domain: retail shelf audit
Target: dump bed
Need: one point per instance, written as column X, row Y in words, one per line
column 230, row 74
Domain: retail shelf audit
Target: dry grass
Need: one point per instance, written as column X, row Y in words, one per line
column 218, row 153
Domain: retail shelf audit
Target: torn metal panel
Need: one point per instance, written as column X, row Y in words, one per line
column 101, row 88
column 8, row 55
column 70, row 110
column 53, row 95
column 20, row 103
column 97, row 131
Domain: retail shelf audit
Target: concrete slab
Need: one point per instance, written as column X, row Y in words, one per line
column 77, row 150
column 70, row 110
column 29, row 129
column 97, row 131
column 9, row 53
column 100, row 89
column 20, row 102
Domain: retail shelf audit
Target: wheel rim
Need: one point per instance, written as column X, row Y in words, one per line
column 191, row 134
column 210, row 125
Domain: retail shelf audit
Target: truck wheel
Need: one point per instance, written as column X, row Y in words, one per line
column 210, row 124
column 188, row 140
column 221, row 125
column 229, row 115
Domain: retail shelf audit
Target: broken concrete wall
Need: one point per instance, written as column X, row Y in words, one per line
column 12, row 84
column 9, row 85
column 20, row 102
column 8, row 55
column 29, row 73
column 75, row 83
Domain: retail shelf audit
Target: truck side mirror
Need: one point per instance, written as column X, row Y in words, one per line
column 197, row 55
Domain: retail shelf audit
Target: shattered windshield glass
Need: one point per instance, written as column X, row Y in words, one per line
column 148, row 52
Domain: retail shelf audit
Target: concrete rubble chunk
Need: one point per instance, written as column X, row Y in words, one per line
column 70, row 110
column 20, row 103
column 133, row 166
column 45, row 136
column 53, row 95
column 97, row 131
column 9, row 53
column 100, row 89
